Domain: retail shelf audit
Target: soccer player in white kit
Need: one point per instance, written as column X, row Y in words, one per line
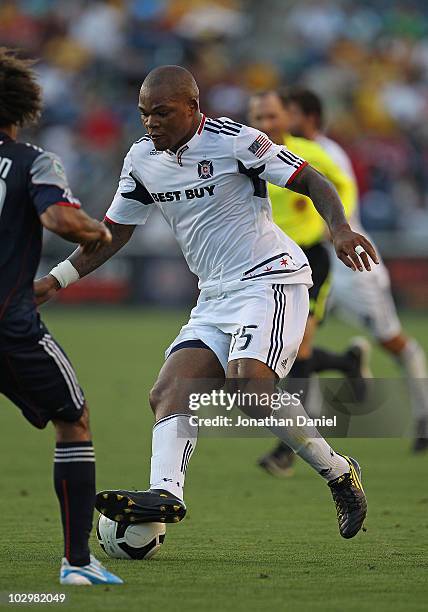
column 208, row 177
column 366, row 298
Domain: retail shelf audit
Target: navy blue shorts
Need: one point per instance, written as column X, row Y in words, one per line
column 41, row 381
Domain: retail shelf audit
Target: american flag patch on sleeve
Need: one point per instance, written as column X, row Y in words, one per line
column 260, row 146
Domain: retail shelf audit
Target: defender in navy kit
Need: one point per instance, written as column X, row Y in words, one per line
column 35, row 373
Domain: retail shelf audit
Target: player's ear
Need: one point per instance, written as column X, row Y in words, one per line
column 193, row 105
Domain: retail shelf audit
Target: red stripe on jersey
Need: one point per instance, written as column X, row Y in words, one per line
column 296, row 172
column 202, row 123
column 110, row 220
column 70, row 204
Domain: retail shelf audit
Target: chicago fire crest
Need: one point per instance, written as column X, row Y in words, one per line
column 205, row 169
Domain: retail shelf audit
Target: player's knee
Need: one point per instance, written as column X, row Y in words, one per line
column 74, row 431
column 395, row 345
column 254, row 378
column 249, row 375
column 83, row 422
column 158, row 396
column 168, row 396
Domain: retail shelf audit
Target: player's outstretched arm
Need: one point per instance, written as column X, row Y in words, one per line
column 74, row 225
column 86, row 261
column 82, row 261
column 324, row 196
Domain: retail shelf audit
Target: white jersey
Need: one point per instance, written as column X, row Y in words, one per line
column 338, row 155
column 213, row 194
column 366, row 297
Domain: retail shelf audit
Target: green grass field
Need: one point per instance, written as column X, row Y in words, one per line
column 250, row 542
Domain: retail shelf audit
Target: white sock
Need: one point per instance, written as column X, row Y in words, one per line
column 413, row 361
column 309, row 444
column 173, row 442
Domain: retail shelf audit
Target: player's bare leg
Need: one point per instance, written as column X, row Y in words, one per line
column 354, row 365
column 170, row 394
column 411, row 358
column 173, row 443
column 305, row 441
column 74, row 479
column 342, row 473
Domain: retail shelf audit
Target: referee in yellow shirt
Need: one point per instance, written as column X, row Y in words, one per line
column 297, row 216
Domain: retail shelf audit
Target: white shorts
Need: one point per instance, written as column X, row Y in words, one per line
column 366, row 297
column 260, row 321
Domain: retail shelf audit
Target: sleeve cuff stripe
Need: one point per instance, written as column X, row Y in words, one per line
column 70, row 204
column 296, row 172
column 110, row 220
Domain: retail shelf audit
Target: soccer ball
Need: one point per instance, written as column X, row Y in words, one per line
column 120, row 541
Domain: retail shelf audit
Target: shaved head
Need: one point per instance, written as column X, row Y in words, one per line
column 177, row 81
column 169, row 106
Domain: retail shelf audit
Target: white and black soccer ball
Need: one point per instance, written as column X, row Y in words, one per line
column 120, row 541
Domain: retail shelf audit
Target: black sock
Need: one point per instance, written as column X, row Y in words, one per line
column 74, row 479
column 327, row 360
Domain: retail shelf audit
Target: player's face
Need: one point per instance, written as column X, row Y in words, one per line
column 167, row 120
column 267, row 114
column 299, row 122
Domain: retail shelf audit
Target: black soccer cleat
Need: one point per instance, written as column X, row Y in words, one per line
column 279, row 462
column 349, row 497
column 152, row 506
column 358, row 355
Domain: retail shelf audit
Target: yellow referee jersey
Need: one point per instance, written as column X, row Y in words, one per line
column 295, row 214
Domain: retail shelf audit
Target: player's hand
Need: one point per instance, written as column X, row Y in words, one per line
column 354, row 249
column 104, row 237
column 45, row 288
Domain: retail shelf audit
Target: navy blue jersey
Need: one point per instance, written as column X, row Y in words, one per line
column 31, row 180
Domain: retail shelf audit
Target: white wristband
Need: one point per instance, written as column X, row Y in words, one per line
column 65, row 273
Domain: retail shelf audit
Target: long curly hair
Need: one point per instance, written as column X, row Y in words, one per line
column 20, row 94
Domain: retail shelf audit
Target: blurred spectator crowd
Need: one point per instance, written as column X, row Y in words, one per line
column 368, row 59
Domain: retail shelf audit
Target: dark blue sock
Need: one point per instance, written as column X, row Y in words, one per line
column 74, row 479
